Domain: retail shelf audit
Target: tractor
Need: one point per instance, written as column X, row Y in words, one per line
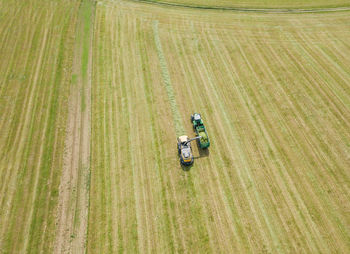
column 200, row 130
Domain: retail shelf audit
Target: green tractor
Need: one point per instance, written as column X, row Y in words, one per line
column 200, row 130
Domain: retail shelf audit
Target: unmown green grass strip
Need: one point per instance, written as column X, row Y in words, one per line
column 179, row 129
column 244, row 9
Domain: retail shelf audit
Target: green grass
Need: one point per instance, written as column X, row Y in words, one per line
column 167, row 83
column 260, row 3
column 273, row 92
column 36, row 138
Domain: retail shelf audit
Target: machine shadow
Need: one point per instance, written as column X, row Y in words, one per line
column 186, row 168
column 202, row 152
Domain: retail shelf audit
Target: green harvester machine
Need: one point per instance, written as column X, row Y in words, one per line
column 200, row 130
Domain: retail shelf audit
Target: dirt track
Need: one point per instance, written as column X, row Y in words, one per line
column 73, row 197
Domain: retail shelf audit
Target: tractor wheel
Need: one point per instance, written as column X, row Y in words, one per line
column 191, row 118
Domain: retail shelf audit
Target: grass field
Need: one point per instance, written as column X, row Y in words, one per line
column 259, row 3
column 93, row 96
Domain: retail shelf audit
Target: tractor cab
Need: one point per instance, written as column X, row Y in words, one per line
column 196, row 116
column 196, row 120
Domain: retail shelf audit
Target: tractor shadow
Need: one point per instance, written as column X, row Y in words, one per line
column 202, row 152
column 186, row 168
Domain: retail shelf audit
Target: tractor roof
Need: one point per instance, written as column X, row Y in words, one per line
column 197, row 116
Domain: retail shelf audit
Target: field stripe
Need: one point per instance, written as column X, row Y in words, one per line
column 219, row 158
column 14, row 133
column 340, row 112
column 244, row 9
column 195, row 209
column 167, row 82
column 228, row 190
column 287, row 68
column 229, row 70
column 263, row 128
column 256, row 88
column 74, row 187
column 273, row 91
column 325, row 157
column 242, row 157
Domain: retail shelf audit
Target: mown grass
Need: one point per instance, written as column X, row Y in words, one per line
column 36, row 150
column 274, row 93
column 165, row 226
column 291, row 4
column 167, row 83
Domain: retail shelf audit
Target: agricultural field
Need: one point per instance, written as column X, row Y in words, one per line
column 293, row 4
column 93, row 95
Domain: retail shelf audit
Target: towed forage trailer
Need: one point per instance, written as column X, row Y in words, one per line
column 200, row 130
